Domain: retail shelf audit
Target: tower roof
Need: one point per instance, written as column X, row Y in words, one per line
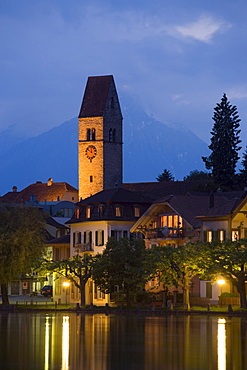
column 95, row 96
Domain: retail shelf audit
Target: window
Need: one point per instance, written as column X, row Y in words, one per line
column 88, row 134
column 110, row 135
column 76, row 238
column 98, row 294
column 221, row 235
column 88, row 212
column 114, row 135
column 235, row 235
column 88, row 240
column 172, row 223
column 77, row 213
column 208, row 290
column 118, row 211
column 125, row 234
column 117, row 234
column 99, row 238
column 100, row 211
column 137, row 211
column 91, row 134
column 91, row 178
column 209, row 236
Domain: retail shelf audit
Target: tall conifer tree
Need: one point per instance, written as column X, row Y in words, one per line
column 224, row 143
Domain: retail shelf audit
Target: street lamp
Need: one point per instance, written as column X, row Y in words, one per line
column 221, row 282
column 66, row 286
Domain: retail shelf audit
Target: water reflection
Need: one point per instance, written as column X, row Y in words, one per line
column 99, row 342
column 221, row 344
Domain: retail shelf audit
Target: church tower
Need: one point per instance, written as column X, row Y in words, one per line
column 99, row 137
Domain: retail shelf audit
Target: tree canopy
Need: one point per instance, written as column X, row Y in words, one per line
column 122, row 264
column 197, row 176
column 22, row 235
column 224, row 144
column 165, row 176
column 77, row 269
column 177, row 266
column 227, row 259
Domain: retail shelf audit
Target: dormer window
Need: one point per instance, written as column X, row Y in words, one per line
column 88, row 212
column 118, row 211
column 137, row 211
column 100, row 211
column 77, row 213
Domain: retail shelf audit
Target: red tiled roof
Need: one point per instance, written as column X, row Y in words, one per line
column 42, row 192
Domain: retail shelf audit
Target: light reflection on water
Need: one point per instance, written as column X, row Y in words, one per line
column 99, row 342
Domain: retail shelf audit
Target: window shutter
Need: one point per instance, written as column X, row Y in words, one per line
column 204, row 236
column 103, row 240
column 215, row 235
column 85, row 237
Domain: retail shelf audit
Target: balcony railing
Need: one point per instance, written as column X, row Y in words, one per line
column 165, row 233
column 84, row 247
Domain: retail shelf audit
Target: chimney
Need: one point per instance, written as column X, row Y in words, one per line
column 14, row 189
column 49, row 182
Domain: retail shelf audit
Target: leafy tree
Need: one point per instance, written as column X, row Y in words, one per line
column 224, row 143
column 77, row 269
column 22, row 235
column 197, row 176
column 229, row 260
column 122, row 263
column 177, row 266
column 243, row 171
column 165, row 176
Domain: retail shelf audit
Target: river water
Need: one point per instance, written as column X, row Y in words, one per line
column 70, row 341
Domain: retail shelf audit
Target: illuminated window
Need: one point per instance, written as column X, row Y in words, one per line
column 235, row 235
column 137, row 211
column 77, row 213
column 221, row 235
column 118, row 211
column 209, row 236
column 88, row 212
column 173, row 222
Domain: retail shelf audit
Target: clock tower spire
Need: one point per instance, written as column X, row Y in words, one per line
column 99, row 137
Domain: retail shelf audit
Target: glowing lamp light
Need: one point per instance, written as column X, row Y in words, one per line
column 221, row 281
column 66, row 284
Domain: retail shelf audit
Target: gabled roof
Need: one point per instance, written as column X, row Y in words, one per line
column 50, row 191
column 95, row 96
column 187, row 206
column 50, row 221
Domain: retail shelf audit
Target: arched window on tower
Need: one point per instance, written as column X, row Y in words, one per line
column 93, row 134
column 110, row 135
column 88, row 134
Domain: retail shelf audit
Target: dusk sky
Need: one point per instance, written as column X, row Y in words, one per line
column 176, row 57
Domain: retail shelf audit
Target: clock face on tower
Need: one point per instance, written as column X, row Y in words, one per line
column 91, row 152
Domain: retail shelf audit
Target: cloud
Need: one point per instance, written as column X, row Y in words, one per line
column 239, row 92
column 204, row 29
